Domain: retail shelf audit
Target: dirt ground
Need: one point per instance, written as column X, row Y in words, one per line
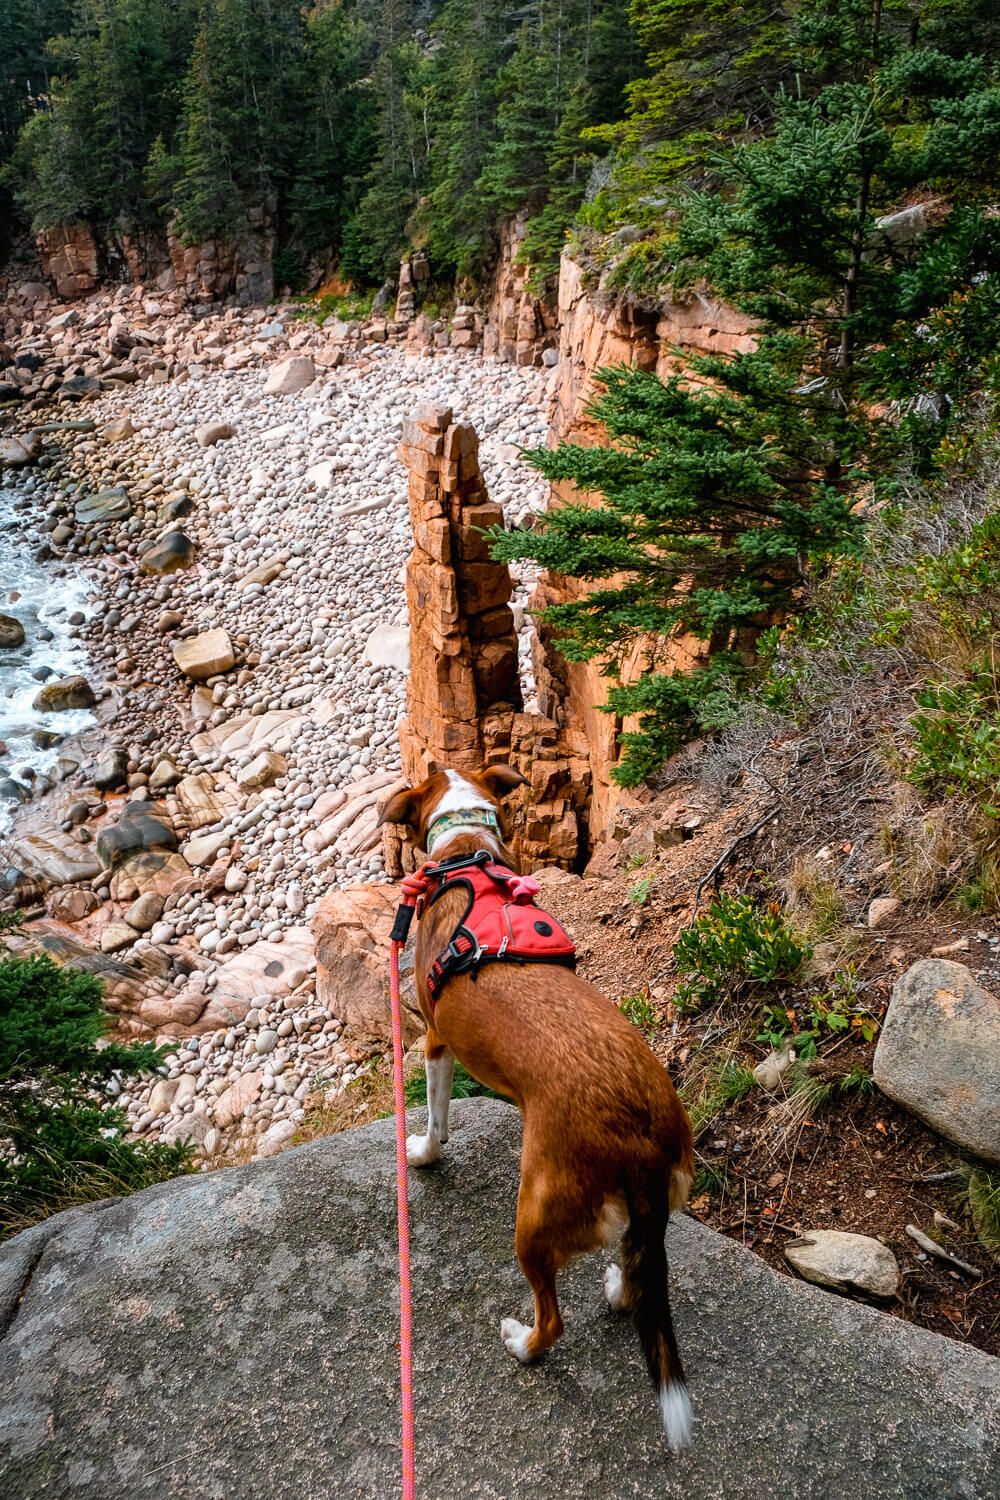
column 768, row 1169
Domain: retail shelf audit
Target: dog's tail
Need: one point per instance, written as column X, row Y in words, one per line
column 644, row 1273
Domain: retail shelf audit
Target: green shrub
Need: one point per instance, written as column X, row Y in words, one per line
column 50, row 1019
column 957, row 737
column 638, row 1010
column 832, row 1013
column 738, row 944
column 348, row 307
column 463, row 1086
column 67, row 1149
column 60, row 1143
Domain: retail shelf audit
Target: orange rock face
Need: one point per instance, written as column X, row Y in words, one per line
column 69, row 258
column 458, row 669
column 463, row 705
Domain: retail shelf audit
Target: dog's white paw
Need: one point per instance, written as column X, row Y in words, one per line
column 421, row 1150
column 614, row 1289
column 514, row 1337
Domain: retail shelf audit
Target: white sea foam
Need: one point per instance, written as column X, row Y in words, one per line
column 42, row 596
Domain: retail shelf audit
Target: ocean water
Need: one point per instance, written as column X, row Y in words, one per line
column 42, row 595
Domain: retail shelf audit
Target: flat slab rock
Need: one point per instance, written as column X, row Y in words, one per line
column 232, row 1336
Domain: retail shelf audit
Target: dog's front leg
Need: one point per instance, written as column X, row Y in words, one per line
column 439, row 1065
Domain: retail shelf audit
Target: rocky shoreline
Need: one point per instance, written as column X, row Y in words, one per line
column 244, row 531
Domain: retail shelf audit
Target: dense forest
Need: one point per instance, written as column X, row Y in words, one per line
column 827, row 167
column 362, row 127
column 356, row 127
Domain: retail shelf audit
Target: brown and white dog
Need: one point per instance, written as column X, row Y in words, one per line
column 607, row 1147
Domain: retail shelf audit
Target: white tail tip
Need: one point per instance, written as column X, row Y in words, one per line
column 675, row 1409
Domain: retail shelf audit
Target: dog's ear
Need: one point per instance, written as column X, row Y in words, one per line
column 500, row 781
column 402, row 807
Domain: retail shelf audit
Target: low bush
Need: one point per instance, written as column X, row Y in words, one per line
column 737, row 945
column 61, row 1143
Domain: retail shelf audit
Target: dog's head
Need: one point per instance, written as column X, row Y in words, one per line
column 451, row 803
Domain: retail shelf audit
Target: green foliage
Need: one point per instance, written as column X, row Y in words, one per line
column 463, row 1086
column 738, row 945
column 62, row 1145
column 110, row 91
column 728, row 490
column 957, row 737
column 714, row 1091
column 50, row 1019
column 712, row 514
column 68, row 1149
column 347, row 307
column 640, row 893
column 952, row 605
column 833, row 1012
column 709, row 67
column 639, row 1010
column 981, row 1192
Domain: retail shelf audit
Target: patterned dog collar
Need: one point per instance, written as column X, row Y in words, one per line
column 480, row 817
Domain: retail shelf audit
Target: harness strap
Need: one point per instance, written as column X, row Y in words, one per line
column 465, row 952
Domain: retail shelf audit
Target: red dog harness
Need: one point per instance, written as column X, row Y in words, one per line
column 500, row 924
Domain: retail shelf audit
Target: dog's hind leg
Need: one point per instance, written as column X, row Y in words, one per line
column 542, row 1250
column 439, row 1065
column 539, row 1268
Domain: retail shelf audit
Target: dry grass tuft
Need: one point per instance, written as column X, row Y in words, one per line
column 928, row 847
column 814, row 898
column 366, row 1098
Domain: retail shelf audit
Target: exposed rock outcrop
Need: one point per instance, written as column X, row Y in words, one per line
column 939, row 1053
column 521, row 325
column 463, row 695
column 241, row 1306
column 70, row 259
column 352, row 929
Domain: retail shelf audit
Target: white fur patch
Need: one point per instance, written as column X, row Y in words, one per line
column 612, row 1221
column 514, row 1337
column 614, row 1288
column 421, row 1150
column 460, row 796
column 675, row 1409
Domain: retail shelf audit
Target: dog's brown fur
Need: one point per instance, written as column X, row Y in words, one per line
column 606, row 1139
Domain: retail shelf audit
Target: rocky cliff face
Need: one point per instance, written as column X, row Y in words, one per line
column 521, row 327
column 463, row 700
column 75, row 265
column 69, row 259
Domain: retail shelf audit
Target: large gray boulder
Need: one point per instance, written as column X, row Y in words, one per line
column 232, row 1336
column 939, row 1053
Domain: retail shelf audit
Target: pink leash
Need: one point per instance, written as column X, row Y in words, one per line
column 398, row 939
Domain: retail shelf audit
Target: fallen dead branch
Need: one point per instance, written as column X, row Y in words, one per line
column 933, row 1248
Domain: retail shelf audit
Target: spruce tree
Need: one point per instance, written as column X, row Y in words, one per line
column 241, row 126
column 376, row 235
column 727, row 486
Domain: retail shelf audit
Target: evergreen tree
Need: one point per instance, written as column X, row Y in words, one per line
column 111, row 92
column 337, row 136
column 724, row 491
column 569, row 63
column 376, row 235
column 460, row 87
column 61, row 1142
column 241, row 121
